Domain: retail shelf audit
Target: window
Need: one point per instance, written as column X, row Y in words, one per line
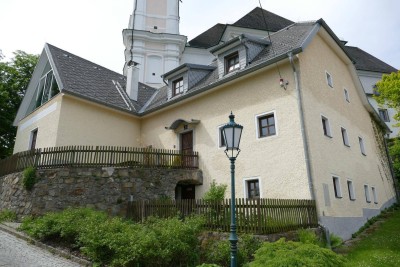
column 33, row 138
column 383, row 113
column 266, row 125
column 329, row 79
column 46, row 89
column 367, row 196
column 362, row 148
column 336, row 187
column 177, row 87
column 326, row 127
column 374, row 194
column 346, row 95
column 345, row 137
column 253, row 189
column 232, row 62
column 350, row 187
column 221, row 139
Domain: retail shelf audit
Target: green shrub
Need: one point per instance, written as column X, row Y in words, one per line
column 282, row 254
column 218, row 251
column 336, row 241
column 7, row 216
column 29, row 178
column 216, row 192
column 208, row 265
column 308, row 236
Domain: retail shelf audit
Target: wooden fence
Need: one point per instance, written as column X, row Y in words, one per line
column 258, row 216
column 104, row 156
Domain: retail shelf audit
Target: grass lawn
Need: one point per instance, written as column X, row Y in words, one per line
column 380, row 246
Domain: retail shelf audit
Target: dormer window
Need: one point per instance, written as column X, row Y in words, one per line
column 232, row 62
column 177, row 87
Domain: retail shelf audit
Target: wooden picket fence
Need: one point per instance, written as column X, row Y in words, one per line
column 103, row 156
column 258, row 216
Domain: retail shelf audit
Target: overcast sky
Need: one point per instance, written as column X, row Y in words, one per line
column 92, row 29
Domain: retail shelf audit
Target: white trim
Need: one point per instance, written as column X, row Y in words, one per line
column 40, row 115
column 258, row 130
column 329, row 79
column 328, row 129
column 352, row 193
column 250, row 179
column 337, row 185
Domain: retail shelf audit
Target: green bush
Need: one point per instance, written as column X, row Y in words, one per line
column 117, row 242
column 336, row 241
column 7, row 216
column 283, row 254
column 218, row 251
column 216, row 192
column 208, row 265
column 29, row 178
column 308, row 236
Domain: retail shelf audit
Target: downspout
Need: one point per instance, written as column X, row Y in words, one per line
column 302, row 126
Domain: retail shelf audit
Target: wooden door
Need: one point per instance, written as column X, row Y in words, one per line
column 187, row 148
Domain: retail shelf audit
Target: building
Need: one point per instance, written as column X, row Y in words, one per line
column 309, row 130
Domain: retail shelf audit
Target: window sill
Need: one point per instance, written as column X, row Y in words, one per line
column 364, row 156
column 375, row 202
column 346, row 145
column 368, row 201
column 329, row 136
column 338, row 197
column 352, row 199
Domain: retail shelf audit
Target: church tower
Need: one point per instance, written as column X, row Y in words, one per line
column 152, row 42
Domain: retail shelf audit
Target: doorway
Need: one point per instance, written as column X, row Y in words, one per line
column 187, row 148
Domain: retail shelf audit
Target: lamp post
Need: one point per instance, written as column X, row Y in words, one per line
column 232, row 133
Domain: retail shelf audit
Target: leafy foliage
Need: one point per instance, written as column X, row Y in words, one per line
column 116, row 242
column 29, row 178
column 14, row 79
column 307, row 236
column 282, row 254
column 389, row 92
column 216, row 192
column 7, row 216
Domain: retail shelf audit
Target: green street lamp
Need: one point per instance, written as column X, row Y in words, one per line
column 232, row 133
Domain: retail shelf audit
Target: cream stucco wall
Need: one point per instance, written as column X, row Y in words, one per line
column 277, row 161
column 45, row 120
column 85, row 123
column 329, row 156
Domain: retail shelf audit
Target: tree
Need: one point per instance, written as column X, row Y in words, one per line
column 388, row 89
column 14, row 79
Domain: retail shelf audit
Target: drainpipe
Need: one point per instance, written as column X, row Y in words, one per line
column 302, row 125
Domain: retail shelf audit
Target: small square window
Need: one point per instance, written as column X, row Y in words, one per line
column 177, row 87
column 345, row 137
column 266, row 125
column 374, row 194
column 221, row 139
column 336, row 187
column 367, row 196
column 325, row 126
column 383, row 113
column 346, row 95
column 329, row 79
column 253, row 189
column 350, row 187
column 362, row 148
column 33, row 139
column 232, row 62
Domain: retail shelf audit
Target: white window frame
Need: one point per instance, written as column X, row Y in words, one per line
column 366, row 193
column 345, row 136
column 245, row 188
column 329, row 79
column 374, row 195
column 385, row 116
column 327, row 126
column 36, row 130
column 346, row 95
column 220, row 136
column 258, row 137
column 350, row 188
column 336, row 186
column 362, row 145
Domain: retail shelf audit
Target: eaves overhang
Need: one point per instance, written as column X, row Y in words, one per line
column 178, row 122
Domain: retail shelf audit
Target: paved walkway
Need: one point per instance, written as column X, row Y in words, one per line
column 16, row 252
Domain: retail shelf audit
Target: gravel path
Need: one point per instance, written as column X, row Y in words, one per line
column 15, row 252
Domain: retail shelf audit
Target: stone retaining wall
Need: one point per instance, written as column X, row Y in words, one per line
column 107, row 189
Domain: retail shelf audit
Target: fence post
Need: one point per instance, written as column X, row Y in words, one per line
column 37, row 155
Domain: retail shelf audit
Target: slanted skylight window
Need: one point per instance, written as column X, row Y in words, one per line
column 46, row 89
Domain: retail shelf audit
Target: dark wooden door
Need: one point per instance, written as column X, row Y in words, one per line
column 188, row 192
column 187, row 148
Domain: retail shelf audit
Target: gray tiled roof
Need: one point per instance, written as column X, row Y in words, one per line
column 283, row 41
column 93, row 82
column 252, row 20
column 364, row 61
